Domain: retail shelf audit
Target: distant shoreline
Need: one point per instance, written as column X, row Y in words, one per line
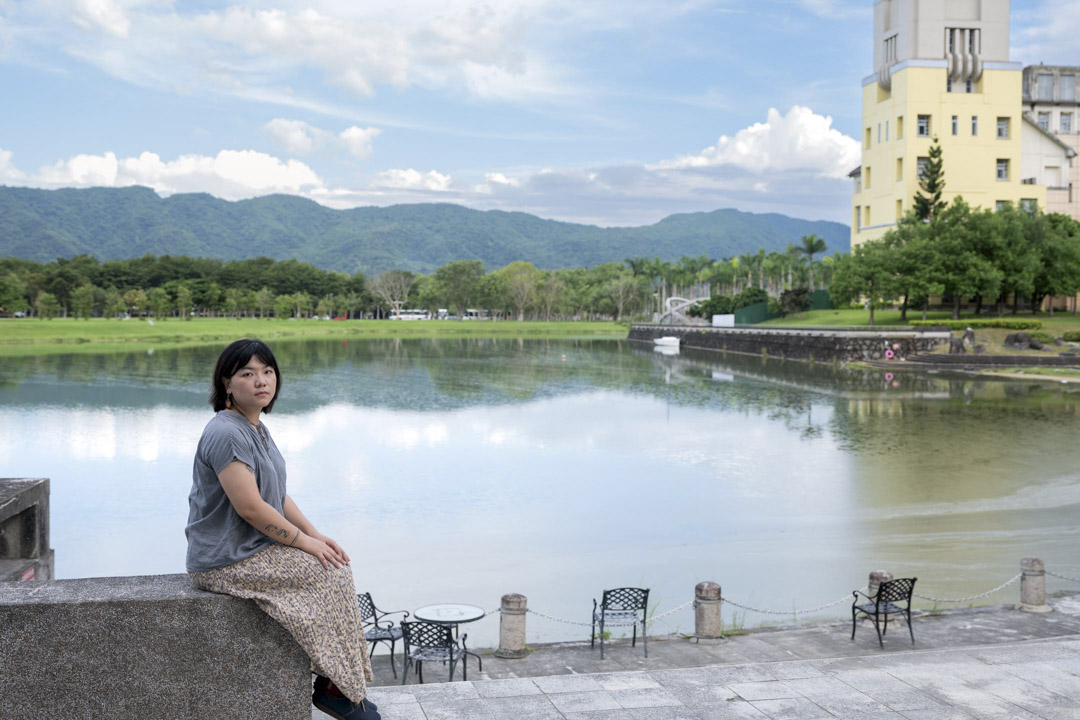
column 30, row 336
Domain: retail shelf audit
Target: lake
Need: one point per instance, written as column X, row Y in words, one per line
column 457, row 471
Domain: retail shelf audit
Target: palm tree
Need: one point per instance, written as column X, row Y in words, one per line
column 746, row 262
column 812, row 245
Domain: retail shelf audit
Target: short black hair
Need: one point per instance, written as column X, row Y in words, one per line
column 234, row 357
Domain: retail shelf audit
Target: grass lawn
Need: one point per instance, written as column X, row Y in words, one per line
column 30, row 336
column 1060, row 323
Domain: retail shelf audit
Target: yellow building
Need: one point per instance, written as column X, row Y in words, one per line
column 943, row 71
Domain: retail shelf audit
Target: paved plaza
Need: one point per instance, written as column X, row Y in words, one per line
column 1034, row 679
column 982, row 663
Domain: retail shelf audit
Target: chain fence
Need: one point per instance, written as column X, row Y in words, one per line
column 969, row 598
column 1063, row 577
column 794, row 611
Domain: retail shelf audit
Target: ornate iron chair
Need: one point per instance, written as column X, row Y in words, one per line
column 375, row 629
column 885, row 604
column 622, row 606
column 425, row 641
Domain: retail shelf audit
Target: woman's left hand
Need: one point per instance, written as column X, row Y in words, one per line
column 333, row 546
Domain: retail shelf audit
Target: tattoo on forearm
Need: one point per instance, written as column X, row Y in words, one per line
column 275, row 531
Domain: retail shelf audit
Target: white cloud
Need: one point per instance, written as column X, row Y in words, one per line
column 800, row 140
column 104, row 15
column 412, row 180
column 300, row 138
column 296, row 136
column 358, row 140
column 231, row 174
column 8, row 171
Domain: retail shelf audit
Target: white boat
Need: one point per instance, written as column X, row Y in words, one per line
column 667, row 341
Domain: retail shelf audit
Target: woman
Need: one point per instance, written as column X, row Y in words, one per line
column 246, row 536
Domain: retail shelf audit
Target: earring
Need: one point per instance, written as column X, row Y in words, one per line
column 228, row 401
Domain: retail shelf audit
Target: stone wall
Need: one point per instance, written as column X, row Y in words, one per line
column 144, row 647
column 24, row 530
column 793, row 344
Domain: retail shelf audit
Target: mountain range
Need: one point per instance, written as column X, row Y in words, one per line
column 117, row 223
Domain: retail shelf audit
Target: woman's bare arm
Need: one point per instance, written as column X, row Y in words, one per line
column 239, row 485
column 293, row 515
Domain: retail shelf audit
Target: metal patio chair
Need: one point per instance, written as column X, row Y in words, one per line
column 884, row 604
column 623, row 606
column 433, row 642
column 376, row 630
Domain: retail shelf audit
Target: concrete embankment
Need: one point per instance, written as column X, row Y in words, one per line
column 818, row 345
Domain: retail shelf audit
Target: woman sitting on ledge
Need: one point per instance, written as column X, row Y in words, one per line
column 246, row 536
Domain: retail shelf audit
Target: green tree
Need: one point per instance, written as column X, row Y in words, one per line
column 136, row 300
column 325, row 306
column 521, row 281
column 12, row 293
column 911, row 261
column 47, row 305
column 1057, row 241
column 184, row 301
column 962, row 264
column 264, row 300
column 113, row 303
column 82, row 301
column 811, row 245
column 160, row 303
column 458, row 282
column 283, row 306
column 864, row 274
column 932, row 183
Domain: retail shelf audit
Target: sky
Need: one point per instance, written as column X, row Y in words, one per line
column 609, row 112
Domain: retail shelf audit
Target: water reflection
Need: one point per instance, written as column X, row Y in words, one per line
column 460, row 470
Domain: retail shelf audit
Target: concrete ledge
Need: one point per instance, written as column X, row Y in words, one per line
column 142, row 647
column 813, row 345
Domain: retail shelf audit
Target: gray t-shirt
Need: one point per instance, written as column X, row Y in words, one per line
column 217, row 536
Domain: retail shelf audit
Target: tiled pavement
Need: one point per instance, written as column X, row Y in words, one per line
column 1014, row 681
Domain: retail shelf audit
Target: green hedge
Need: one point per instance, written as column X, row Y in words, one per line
column 1071, row 336
column 979, row 324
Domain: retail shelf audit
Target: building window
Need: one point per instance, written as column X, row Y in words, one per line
column 955, row 124
column 920, row 166
column 1003, row 128
column 1045, row 87
column 1029, row 205
column 1044, row 120
column 1001, row 205
column 866, row 177
column 1067, row 87
column 974, row 125
column 866, row 142
column 900, row 127
column 899, row 210
column 866, row 216
column 899, row 168
column 924, row 126
column 879, row 133
column 1002, row 169
column 1066, row 122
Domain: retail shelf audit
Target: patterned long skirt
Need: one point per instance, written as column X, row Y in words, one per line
column 318, row 607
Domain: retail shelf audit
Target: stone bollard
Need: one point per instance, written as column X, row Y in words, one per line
column 876, row 578
column 512, row 627
column 708, row 623
column 1033, row 586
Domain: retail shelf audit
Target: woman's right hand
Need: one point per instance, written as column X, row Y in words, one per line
column 326, row 554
